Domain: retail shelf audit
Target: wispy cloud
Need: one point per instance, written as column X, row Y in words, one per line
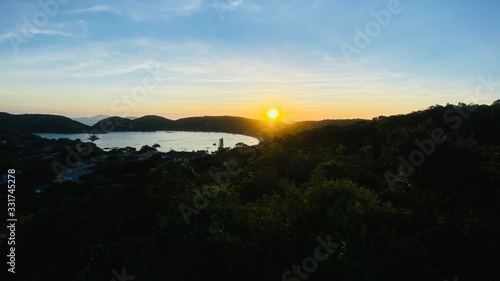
column 201, row 65
column 183, row 7
column 95, row 9
column 67, row 29
column 265, row 50
column 162, row 10
column 6, row 36
column 63, row 29
column 50, row 32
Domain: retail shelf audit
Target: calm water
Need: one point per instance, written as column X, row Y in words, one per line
column 180, row 141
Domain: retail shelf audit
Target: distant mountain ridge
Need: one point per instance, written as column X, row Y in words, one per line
column 89, row 121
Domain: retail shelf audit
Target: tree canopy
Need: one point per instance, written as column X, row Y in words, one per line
column 260, row 212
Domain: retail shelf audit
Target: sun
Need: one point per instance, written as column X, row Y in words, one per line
column 273, row 113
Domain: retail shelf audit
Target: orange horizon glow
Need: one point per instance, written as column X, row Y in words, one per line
column 288, row 112
column 289, row 109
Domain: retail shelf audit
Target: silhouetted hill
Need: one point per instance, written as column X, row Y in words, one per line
column 153, row 123
column 90, row 121
column 481, row 122
column 229, row 124
column 39, row 123
column 114, row 124
column 405, row 188
column 309, row 125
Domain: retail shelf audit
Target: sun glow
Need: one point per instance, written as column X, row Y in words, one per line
column 273, row 113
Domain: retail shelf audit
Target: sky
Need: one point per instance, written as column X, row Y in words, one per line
column 310, row 59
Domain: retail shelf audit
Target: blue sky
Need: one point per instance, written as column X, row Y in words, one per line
column 179, row 58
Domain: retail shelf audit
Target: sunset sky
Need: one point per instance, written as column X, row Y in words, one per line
column 307, row 58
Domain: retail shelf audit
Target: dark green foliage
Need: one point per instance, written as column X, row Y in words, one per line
column 438, row 222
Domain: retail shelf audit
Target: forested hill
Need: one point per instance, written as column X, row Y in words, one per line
column 439, row 115
column 44, row 123
column 37, row 123
column 482, row 123
column 227, row 124
column 413, row 196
